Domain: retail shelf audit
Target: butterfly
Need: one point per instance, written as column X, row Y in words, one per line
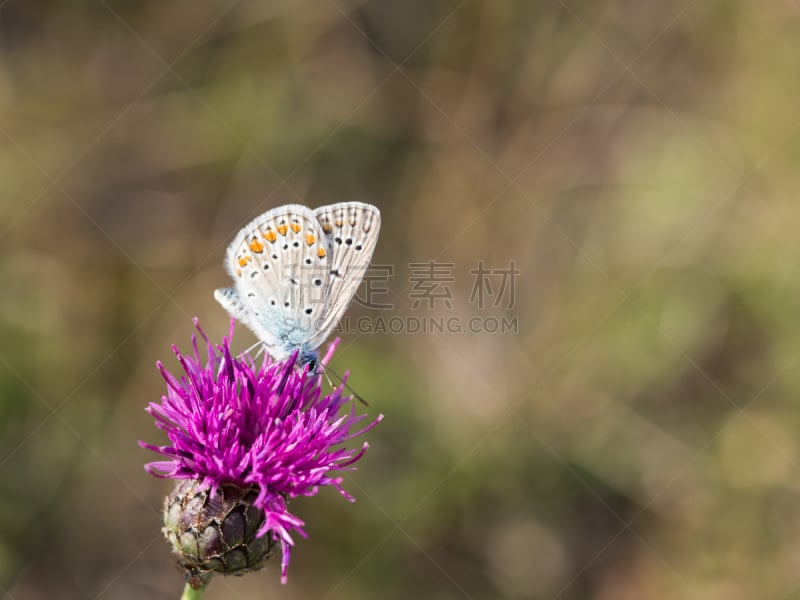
column 295, row 271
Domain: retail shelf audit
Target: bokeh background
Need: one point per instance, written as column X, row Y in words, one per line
column 636, row 435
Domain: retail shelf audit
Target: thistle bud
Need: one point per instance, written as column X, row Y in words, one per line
column 215, row 532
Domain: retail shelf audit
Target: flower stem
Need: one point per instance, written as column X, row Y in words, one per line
column 192, row 594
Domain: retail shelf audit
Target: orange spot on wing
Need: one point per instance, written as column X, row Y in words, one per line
column 270, row 235
column 256, row 246
column 282, row 229
column 239, row 272
column 321, row 252
column 326, row 227
column 310, row 239
column 338, row 222
column 244, row 260
column 295, row 227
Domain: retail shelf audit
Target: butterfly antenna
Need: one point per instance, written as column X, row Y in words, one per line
column 326, row 369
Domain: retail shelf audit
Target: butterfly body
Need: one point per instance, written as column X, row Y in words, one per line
column 295, row 272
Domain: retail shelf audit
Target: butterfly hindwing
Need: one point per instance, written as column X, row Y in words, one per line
column 238, row 308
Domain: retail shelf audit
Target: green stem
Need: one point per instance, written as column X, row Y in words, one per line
column 190, row 594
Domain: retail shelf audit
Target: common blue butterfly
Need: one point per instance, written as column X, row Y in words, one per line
column 295, row 272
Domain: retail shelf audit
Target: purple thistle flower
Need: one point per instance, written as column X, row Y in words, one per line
column 265, row 427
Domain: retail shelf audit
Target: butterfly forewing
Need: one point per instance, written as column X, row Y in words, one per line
column 351, row 230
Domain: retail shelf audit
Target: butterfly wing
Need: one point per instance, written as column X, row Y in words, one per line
column 280, row 264
column 351, row 231
column 237, row 307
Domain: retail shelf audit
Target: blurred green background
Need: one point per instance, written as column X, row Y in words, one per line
column 636, row 437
